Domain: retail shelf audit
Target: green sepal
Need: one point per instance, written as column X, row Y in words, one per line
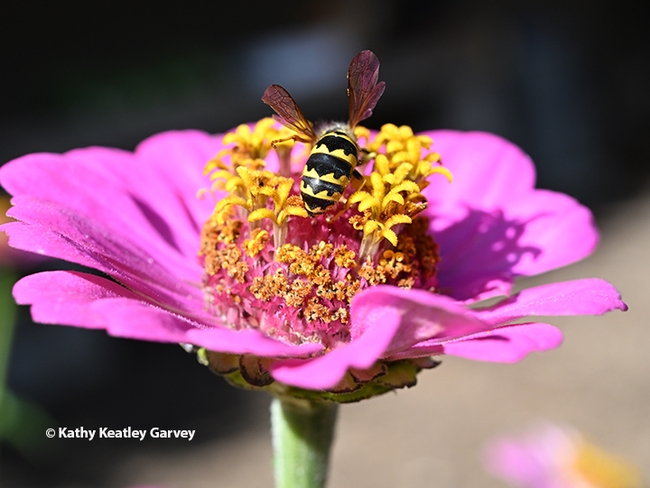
column 401, row 374
column 364, row 392
column 251, row 373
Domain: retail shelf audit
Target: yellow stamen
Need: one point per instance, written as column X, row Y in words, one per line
column 392, row 193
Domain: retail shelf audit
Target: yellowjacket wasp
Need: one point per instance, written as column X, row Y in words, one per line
column 335, row 152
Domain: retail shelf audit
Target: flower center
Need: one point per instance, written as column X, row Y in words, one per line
column 272, row 265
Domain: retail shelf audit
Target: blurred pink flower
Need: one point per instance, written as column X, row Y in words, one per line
column 551, row 456
column 135, row 217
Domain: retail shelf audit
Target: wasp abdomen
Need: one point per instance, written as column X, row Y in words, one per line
column 328, row 170
column 324, row 164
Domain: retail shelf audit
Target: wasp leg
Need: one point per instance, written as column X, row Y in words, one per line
column 366, row 156
column 357, row 182
column 294, row 138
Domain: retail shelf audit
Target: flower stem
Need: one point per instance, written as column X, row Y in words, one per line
column 302, row 436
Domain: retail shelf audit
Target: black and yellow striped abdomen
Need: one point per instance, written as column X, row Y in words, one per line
column 328, row 170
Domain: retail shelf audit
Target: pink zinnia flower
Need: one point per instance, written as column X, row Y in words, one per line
column 552, row 456
column 354, row 304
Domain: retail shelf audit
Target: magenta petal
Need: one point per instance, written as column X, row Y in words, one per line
column 327, row 370
column 164, row 154
column 55, row 231
column 84, row 300
column 248, row 342
column 136, row 320
column 590, row 296
column 491, row 233
column 489, row 172
column 423, row 316
column 557, row 224
column 65, row 297
column 507, row 344
column 151, row 174
column 137, row 196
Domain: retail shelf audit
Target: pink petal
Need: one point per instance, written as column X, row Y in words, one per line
column 136, row 320
column 510, row 344
column 64, row 297
column 422, row 316
column 559, row 225
column 490, row 233
column 133, row 319
column 507, row 344
column 326, row 371
column 489, row 173
column 386, row 321
column 164, row 154
column 248, row 342
column 590, row 296
column 52, row 230
column 479, row 254
column 134, row 195
column 84, row 300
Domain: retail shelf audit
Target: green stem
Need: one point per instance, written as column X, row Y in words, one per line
column 302, row 437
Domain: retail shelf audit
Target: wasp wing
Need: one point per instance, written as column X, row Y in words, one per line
column 363, row 89
column 288, row 113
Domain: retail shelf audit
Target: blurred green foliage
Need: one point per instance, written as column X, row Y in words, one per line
column 22, row 423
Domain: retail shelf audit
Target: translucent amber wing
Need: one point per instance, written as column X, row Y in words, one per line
column 363, row 89
column 288, row 113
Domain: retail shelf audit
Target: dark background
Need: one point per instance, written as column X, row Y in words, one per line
column 567, row 81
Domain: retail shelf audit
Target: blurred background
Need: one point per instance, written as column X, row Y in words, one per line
column 567, row 81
